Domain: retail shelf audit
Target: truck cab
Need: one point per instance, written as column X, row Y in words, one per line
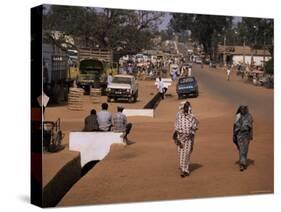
column 123, row 87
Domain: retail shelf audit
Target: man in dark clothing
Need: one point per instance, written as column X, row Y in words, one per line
column 91, row 122
column 243, row 133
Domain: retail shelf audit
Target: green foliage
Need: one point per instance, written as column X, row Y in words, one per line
column 202, row 27
column 211, row 31
column 257, row 32
column 269, row 67
column 106, row 28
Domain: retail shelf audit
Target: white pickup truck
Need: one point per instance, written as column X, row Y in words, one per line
column 122, row 87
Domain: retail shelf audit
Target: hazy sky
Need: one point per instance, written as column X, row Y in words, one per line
column 168, row 16
column 165, row 22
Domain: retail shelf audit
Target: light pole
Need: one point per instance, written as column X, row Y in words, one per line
column 224, row 56
column 244, row 38
column 252, row 56
column 235, row 40
column 243, row 50
column 263, row 49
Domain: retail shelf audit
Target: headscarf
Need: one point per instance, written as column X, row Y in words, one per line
column 186, row 122
column 243, row 125
column 238, row 115
column 181, row 106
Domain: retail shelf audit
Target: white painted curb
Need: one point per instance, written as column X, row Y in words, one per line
column 93, row 145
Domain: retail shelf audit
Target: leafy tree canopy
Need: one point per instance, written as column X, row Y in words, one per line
column 106, row 28
column 202, row 27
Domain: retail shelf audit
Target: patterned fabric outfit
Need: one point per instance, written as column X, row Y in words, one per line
column 186, row 125
column 243, row 129
column 119, row 122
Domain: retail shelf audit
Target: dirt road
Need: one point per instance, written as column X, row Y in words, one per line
column 148, row 170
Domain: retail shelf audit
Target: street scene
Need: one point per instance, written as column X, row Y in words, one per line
column 148, row 106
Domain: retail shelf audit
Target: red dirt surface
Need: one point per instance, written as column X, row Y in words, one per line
column 148, row 170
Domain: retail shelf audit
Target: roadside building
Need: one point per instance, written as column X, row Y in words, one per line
column 242, row 54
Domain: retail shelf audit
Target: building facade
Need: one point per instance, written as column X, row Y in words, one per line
column 242, row 55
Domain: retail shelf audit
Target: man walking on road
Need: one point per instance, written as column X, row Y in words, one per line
column 189, row 71
column 109, row 79
column 243, row 133
column 174, row 73
column 228, row 71
column 185, row 126
column 161, row 87
column 119, row 124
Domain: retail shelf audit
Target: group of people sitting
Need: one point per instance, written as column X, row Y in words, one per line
column 104, row 121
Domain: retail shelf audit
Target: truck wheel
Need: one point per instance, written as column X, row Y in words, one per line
column 131, row 99
column 136, row 97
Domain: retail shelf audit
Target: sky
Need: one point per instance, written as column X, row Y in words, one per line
column 168, row 16
column 165, row 23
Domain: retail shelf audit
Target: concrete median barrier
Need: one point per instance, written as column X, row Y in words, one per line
column 139, row 112
column 93, row 146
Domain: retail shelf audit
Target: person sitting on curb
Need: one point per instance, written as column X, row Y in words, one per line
column 91, row 122
column 104, row 118
column 119, row 124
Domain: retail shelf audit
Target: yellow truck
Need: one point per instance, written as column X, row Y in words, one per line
column 94, row 67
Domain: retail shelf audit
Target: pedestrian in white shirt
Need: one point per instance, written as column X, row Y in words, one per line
column 161, row 87
column 228, row 71
column 109, row 79
column 104, row 118
column 189, row 71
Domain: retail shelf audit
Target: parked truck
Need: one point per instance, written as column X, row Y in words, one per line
column 123, row 87
column 60, row 67
column 55, row 70
column 94, row 66
column 91, row 74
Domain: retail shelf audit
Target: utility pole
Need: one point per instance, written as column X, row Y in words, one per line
column 224, row 53
column 263, row 49
column 252, row 49
column 244, row 50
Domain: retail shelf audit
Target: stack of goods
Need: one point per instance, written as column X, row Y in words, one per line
column 95, row 95
column 75, row 99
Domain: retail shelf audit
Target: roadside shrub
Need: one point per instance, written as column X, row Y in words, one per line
column 269, row 69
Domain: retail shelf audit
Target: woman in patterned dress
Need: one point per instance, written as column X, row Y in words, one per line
column 243, row 132
column 185, row 126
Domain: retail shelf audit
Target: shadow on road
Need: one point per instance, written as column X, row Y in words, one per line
column 194, row 166
column 250, row 162
column 86, row 168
